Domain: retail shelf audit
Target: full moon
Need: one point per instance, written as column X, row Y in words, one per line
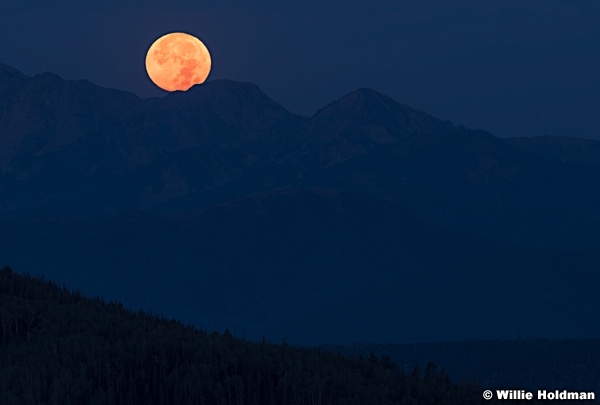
column 177, row 61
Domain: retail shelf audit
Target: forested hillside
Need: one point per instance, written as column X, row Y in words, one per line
column 571, row 364
column 59, row 347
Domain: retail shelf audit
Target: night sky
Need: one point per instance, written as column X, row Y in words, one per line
column 513, row 67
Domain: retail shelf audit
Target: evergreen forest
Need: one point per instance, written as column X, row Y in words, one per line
column 60, row 347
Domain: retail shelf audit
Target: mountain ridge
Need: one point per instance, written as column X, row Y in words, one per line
column 358, row 212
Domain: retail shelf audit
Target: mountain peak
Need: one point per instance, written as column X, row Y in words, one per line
column 366, row 116
column 215, row 92
column 47, row 78
column 237, row 107
column 365, row 93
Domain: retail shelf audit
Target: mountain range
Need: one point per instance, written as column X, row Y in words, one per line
column 368, row 221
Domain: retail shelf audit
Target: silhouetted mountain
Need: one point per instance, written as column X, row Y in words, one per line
column 476, row 182
column 222, row 113
column 45, row 113
column 360, row 121
column 320, row 228
column 89, row 151
column 563, row 148
column 71, row 148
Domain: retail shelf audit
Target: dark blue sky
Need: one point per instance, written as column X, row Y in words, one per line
column 513, row 67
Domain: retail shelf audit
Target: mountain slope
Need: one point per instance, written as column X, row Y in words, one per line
column 477, row 183
column 221, row 112
column 58, row 346
column 263, row 264
column 360, row 120
column 45, row 113
column 93, row 152
column 531, row 364
column 316, row 266
column 9, row 78
column 74, row 147
column 320, row 229
column 562, row 148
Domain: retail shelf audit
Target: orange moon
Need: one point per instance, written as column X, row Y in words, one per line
column 177, row 61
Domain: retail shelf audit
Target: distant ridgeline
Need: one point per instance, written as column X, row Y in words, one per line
column 59, row 347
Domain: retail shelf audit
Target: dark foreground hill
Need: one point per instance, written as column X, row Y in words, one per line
column 59, row 347
column 528, row 363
